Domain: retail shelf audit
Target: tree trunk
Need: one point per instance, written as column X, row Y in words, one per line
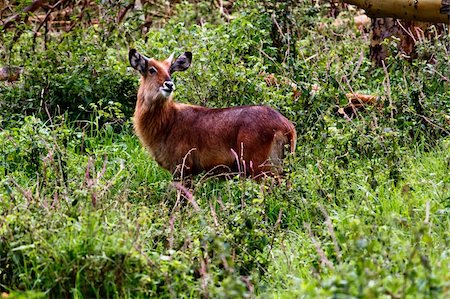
column 434, row 11
column 409, row 33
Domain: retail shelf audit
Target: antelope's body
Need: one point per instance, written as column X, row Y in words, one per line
column 188, row 139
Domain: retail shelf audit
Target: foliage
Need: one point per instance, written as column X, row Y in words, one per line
column 89, row 216
column 78, row 221
column 363, row 210
column 82, row 71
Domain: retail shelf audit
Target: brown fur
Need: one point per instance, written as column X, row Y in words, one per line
column 250, row 139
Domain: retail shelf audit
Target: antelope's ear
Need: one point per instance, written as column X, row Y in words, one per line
column 182, row 63
column 138, row 61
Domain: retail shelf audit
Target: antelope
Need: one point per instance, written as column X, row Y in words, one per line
column 190, row 139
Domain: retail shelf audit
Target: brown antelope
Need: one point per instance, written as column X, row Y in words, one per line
column 188, row 139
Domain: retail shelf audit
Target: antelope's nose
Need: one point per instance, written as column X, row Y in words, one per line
column 169, row 85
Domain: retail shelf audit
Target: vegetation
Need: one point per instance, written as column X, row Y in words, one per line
column 364, row 209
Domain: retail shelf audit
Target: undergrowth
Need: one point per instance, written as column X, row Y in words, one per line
column 362, row 212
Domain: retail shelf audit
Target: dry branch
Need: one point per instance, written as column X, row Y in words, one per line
column 50, row 10
column 322, row 256
column 124, row 11
column 35, row 5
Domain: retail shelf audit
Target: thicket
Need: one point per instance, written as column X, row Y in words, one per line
column 85, row 213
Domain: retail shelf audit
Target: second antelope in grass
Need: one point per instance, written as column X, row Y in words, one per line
column 188, row 139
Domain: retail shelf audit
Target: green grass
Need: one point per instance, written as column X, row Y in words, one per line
column 390, row 241
column 120, row 229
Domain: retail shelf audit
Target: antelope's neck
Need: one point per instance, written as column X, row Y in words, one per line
column 151, row 120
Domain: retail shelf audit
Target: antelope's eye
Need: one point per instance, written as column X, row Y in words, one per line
column 152, row 70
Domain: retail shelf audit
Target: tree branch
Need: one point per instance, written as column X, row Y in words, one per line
column 434, row 11
column 35, row 5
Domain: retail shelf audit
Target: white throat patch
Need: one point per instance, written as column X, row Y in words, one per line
column 165, row 93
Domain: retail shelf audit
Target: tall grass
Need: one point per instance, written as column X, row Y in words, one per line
column 98, row 218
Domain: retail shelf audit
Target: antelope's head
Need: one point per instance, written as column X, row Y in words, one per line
column 156, row 81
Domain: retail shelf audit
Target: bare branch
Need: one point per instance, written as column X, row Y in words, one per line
column 323, row 258
column 35, row 5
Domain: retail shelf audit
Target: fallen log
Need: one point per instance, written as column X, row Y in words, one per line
column 356, row 102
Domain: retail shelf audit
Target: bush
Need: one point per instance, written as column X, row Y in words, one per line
column 73, row 215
